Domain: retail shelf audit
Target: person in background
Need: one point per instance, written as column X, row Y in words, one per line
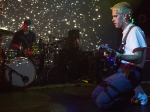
column 117, row 90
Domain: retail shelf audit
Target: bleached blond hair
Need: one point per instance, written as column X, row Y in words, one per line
column 123, row 7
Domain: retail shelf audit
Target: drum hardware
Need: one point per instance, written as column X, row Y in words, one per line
column 56, row 42
column 48, row 57
column 25, row 79
column 46, row 46
column 20, row 75
column 48, row 52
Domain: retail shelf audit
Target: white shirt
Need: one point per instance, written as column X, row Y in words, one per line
column 135, row 39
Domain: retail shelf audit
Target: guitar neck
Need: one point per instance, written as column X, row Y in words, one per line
column 109, row 50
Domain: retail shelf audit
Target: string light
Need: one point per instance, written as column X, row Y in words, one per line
column 59, row 15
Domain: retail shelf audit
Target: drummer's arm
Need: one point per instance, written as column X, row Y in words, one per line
column 16, row 46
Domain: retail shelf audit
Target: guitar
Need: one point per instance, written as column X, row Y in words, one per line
column 111, row 54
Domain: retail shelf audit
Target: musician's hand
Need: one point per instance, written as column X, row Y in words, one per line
column 107, row 51
column 103, row 47
column 112, row 53
column 20, row 48
column 16, row 46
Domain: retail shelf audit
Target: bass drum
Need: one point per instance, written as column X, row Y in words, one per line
column 24, row 67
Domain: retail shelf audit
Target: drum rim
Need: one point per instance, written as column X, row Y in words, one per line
column 34, row 75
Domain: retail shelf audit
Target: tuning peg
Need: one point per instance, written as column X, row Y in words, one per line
column 106, row 44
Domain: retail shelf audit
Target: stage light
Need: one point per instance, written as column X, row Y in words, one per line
column 132, row 20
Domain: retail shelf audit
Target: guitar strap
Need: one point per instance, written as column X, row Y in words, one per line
column 121, row 50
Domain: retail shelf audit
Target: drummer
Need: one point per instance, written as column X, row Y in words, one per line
column 23, row 38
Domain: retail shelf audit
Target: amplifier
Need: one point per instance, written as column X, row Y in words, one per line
column 146, row 71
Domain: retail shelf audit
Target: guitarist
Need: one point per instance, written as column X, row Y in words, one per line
column 117, row 90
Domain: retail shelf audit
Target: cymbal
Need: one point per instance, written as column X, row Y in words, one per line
column 5, row 32
column 56, row 42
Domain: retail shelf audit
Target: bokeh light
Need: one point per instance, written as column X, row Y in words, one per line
column 57, row 17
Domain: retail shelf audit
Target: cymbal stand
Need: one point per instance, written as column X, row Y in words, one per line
column 47, row 60
column 2, row 66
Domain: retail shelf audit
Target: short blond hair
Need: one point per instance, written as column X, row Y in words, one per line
column 123, row 7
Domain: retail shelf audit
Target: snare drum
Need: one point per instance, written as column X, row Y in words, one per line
column 24, row 67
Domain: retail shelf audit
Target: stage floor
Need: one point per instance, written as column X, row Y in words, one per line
column 44, row 96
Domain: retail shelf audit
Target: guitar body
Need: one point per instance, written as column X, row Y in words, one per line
column 112, row 53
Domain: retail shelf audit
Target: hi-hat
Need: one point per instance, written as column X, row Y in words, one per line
column 5, row 32
column 56, row 42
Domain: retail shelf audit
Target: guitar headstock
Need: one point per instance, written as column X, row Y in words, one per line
column 103, row 47
column 106, row 48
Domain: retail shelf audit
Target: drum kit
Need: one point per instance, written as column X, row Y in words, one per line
column 21, row 71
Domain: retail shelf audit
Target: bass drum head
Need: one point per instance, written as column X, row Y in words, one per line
column 24, row 67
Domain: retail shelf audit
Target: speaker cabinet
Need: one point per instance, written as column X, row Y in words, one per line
column 146, row 71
